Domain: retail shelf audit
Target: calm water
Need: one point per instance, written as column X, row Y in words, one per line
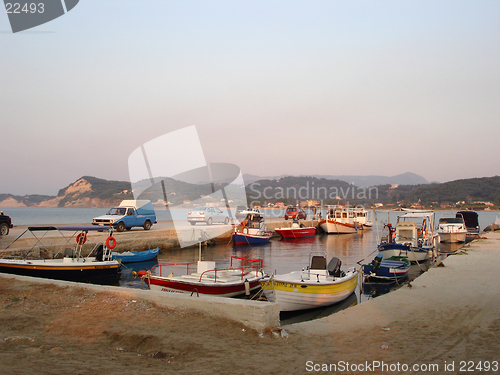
column 280, row 256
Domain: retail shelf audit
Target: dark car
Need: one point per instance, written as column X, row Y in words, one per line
column 5, row 224
column 295, row 213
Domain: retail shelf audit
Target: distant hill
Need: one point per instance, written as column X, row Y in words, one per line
column 87, row 191
column 485, row 189
column 407, row 178
column 90, row 191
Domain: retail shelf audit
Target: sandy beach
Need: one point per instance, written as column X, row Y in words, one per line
column 447, row 322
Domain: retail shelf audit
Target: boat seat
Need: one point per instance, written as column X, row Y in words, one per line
column 318, row 263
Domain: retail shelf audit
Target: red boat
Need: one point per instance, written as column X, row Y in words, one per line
column 207, row 280
column 296, row 231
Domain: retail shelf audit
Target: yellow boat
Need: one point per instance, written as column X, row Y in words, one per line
column 318, row 285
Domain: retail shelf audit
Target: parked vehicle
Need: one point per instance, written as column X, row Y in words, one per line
column 295, row 213
column 207, row 215
column 130, row 213
column 5, row 224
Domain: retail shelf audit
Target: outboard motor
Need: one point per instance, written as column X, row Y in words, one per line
column 376, row 263
column 334, row 267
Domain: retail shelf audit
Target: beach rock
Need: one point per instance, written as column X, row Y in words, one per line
column 492, row 227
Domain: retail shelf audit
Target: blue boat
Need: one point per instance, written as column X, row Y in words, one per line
column 394, row 268
column 251, row 239
column 136, row 256
column 252, row 230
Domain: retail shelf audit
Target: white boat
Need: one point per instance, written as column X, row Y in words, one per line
column 343, row 219
column 69, row 262
column 317, row 285
column 413, row 237
column 452, row 229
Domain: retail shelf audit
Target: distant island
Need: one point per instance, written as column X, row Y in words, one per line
column 474, row 193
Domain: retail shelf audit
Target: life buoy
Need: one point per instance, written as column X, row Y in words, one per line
column 110, row 242
column 81, row 238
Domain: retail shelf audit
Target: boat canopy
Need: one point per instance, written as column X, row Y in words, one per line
column 421, row 214
column 470, row 217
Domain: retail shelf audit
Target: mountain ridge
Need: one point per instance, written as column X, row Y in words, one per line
column 407, row 178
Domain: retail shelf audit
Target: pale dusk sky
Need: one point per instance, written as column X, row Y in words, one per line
column 275, row 87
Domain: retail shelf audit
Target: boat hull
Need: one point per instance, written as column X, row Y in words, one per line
column 136, row 256
column 337, row 227
column 389, row 269
column 293, row 294
column 455, row 237
column 414, row 254
column 296, row 232
column 251, row 239
column 171, row 285
column 105, row 272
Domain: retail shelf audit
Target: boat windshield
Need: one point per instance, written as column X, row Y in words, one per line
column 117, row 211
column 451, row 220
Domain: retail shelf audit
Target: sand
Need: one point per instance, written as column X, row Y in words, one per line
column 450, row 316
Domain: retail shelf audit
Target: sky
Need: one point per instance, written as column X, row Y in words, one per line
column 340, row 87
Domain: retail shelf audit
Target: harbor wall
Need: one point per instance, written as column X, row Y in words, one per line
column 257, row 315
column 161, row 235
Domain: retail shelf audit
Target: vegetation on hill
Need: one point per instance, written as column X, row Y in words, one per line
column 485, row 189
column 289, row 190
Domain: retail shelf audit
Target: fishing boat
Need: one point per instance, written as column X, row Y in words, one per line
column 471, row 222
column 252, row 230
column 206, row 278
column 296, row 230
column 452, row 229
column 135, row 256
column 413, row 237
column 317, row 285
column 28, row 256
column 343, row 219
column 394, row 268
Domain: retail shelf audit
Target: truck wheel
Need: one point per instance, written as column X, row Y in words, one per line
column 120, row 227
column 147, row 225
column 4, row 229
